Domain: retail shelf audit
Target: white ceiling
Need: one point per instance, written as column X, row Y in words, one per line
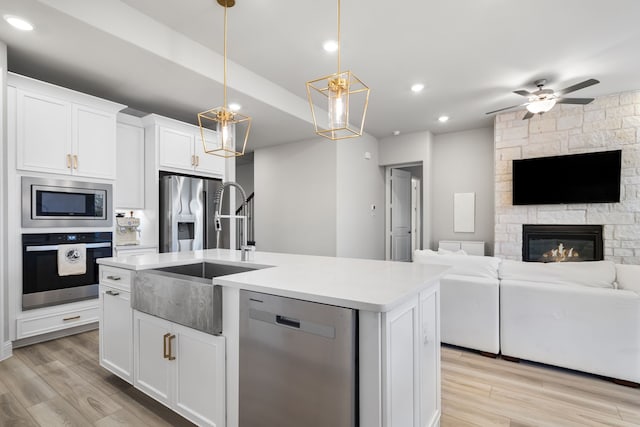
column 163, row 56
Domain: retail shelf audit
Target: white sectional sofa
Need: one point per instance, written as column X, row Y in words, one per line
column 469, row 299
column 583, row 316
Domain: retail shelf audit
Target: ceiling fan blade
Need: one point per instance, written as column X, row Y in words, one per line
column 506, row 108
column 578, row 86
column 581, row 101
column 528, row 115
column 524, row 93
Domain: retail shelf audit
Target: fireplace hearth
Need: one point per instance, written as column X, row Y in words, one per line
column 562, row 243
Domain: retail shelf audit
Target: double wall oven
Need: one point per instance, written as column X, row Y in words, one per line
column 61, row 206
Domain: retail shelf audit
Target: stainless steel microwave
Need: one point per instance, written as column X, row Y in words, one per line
column 65, row 203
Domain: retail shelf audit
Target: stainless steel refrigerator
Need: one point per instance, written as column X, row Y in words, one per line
column 186, row 214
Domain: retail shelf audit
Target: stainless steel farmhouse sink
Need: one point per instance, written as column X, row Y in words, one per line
column 184, row 294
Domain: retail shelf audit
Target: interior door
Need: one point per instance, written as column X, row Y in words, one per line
column 400, row 215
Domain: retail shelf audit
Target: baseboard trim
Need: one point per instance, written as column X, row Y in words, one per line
column 54, row 335
column 6, row 350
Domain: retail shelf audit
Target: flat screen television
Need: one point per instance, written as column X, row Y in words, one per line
column 576, row 178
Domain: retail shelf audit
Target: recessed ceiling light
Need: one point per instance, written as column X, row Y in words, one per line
column 18, row 23
column 330, row 45
column 396, row 132
column 234, row 106
column 417, row 87
column 443, row 119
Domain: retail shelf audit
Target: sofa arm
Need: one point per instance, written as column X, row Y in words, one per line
column 588, row 329
column 469, row 312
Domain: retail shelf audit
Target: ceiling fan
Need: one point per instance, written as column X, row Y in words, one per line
column 543, row 100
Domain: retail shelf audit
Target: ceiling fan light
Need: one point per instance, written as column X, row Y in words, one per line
column 541, row 105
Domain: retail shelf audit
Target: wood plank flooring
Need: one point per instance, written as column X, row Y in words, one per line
column 480, row 391
column 60, row 383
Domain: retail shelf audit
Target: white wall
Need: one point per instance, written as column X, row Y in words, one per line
column 463, row 163
column 413, row 148
column 244, row 174
column 360, row 184
column 608, row 123
column 295, row 204
column 4, row 309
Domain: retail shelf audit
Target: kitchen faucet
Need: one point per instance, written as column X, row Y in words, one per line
column 217, row 215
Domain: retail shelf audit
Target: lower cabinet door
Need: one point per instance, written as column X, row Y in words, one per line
column 116, row 332
column 182, row 368
column 401, row 367
column 200, row 376
column 152, row 369
column 429, row 346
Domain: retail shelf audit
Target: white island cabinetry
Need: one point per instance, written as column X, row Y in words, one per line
column 398, row 334
column 181, row 368
column 61, row 131
column 116, row 322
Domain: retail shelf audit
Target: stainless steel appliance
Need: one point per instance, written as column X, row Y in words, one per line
column 42, row 285
column 298, row 363
column 65, row 203
column 187, row 206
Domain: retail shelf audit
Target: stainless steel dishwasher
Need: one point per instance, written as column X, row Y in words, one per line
column 298, row 363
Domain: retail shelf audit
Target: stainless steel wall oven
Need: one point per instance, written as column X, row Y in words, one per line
column 65, row 203
column 42, row 284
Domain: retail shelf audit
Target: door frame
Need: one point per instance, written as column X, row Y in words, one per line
column 387, row 205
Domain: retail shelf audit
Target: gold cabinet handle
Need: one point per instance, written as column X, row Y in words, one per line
column 197, row 160
column 193, row 160
column 165, row 355
column 66, row 319
column 69, row 161
column 75, row 161
column 171, row 356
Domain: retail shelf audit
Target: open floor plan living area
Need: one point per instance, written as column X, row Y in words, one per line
column 345, row 213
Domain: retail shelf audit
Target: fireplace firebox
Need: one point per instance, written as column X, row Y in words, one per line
column 562, row 243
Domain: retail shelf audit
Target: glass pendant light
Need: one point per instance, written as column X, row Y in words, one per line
column 345, row 99
column 225, row 122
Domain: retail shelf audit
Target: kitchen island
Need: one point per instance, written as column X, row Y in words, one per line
column 398, row 343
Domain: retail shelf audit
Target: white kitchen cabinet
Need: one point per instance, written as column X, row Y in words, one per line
column 43, row 132
column 130, row 163
column 176, row 149
column 62, row 131
column 181, row 368
column 411, row 369
column 94, row 137
column 116, row 322
column 180, row 148
column 429, row 358
column 130, row 250
column 208, row 162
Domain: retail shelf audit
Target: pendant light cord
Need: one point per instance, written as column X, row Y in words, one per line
column 338, row 36
column 224, row 105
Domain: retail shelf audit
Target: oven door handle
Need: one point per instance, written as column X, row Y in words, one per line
column 46, row 248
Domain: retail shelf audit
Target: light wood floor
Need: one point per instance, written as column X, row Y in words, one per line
column 59, row 383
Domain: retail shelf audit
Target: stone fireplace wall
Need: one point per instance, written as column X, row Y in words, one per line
column 608, row 123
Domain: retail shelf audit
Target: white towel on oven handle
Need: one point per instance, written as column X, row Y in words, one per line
column 72, row 259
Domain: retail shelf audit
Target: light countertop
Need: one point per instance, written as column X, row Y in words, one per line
column 371, row 285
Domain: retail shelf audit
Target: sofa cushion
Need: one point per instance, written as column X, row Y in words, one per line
column 628, row 277
column 469, row 265
column 600, row 274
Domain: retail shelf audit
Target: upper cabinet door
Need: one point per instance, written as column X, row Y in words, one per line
column 208, row 163
column 43, row 133
column 176, row 149
column 130, row 167
column 93, row 142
